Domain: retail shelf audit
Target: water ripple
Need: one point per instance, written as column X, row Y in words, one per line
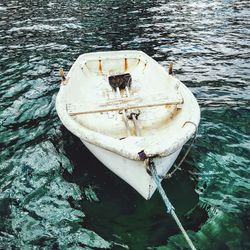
column 54, row 195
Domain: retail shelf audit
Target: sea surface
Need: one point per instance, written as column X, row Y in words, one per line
column 54, row 194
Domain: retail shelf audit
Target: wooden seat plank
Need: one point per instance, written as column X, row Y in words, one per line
column 124, row 104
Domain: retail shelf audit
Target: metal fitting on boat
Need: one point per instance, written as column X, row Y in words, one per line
column 142, row 155
column 186, row 122
column 149, row 165
column 131, row 113
column 62, row 74
column 170, row 69
column 148, row 161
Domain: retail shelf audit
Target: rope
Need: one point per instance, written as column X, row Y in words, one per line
column 177, row 167
column 169, row 206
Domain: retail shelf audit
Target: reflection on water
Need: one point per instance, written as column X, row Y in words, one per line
column 54, row 193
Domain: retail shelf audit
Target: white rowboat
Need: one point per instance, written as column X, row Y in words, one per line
column 123, row 104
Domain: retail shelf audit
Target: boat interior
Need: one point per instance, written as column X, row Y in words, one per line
column 124, row 94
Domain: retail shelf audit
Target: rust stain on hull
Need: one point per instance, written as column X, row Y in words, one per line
column 100, row 66
column 125, row 64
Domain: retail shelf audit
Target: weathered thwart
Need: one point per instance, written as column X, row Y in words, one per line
column 123, row 103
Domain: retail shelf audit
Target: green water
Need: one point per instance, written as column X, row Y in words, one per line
column 54, row 194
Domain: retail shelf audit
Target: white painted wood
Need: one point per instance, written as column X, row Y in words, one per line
column 163, row 128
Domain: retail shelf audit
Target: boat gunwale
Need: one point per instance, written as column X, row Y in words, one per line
column 130, row 146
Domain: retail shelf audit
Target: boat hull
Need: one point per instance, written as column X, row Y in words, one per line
column 133, row 172
column 120, row 103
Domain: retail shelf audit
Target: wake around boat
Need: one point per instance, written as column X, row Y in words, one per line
column 126, row 108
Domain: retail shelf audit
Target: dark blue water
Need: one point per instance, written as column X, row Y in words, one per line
column 54, row 194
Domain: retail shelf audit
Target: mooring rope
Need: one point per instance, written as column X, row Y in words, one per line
column 178, row 166
column 169, row 206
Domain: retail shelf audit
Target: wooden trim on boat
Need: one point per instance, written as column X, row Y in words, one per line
column 123, row 104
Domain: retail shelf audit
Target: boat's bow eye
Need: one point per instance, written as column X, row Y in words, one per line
column 120, row 81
